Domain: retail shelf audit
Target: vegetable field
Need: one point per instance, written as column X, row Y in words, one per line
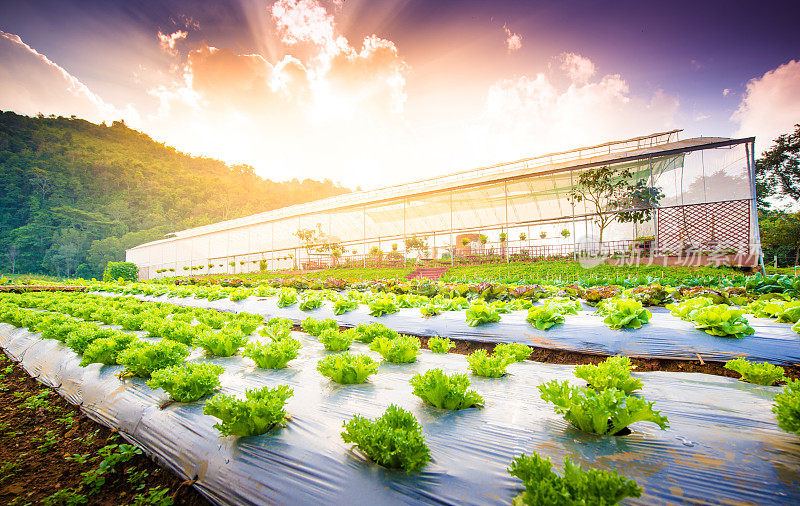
column 217, row 383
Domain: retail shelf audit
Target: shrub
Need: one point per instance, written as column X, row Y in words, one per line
column 517, row 351
column 544, row 486
column 445, row 391
column 787, row 407
column 760, row 374
column 392, row 440
column 126, row 270
column 614, row 372
column 347, row 368
column 224, row 343
column 440, row 344
column 600, row 412
column 187, row 382
column 333, row 340
column 274, row 355
column 481, row 364
column 260, row 411
column 400, row 350
column 142, row 359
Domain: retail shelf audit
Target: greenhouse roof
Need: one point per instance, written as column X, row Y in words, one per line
column 638, row 148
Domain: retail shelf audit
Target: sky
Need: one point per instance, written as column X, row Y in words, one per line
column 372, row 93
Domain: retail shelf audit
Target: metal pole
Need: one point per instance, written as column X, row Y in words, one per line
column 574, row 234
column 364, row 234
column 508, row 239
column 655, row 211
column 271, row 247
column 405, row 249
column 452, row 244
column 750, row 150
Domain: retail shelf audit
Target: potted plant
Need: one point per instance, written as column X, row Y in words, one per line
column 464, row 241
column 565, row 233
column 542, row 234
column 503, row 237
column 523, row 236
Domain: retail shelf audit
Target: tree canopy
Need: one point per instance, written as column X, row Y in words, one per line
column 778, row 169
column 74, row 195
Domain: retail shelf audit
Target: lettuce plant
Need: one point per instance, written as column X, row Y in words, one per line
column 445, row 391
column 393, row 440
column 382, row 306
column 179, row 331
column 223, row 343
column 333, row 340
column 575, row 487
column 789, row 313
column 105, row 350
column 440, row 344
column 787, row 407
column 82, row 337
column 720, row 320
column 400, row 350
column 344, row 305
column 187, row 382
column 614, row 372
column 600, row 412
column 240, row 294
column 562, row 305
column 481, row 313
column 760, row 374
column 430, row 310
column 260, row 411
column 456, row 304
column 273, row 355
column 309, row 303
column 315, row 327
column 347, row 368
column 544, row 317
column 280, row 329
column 287, row 297
column 517, row 351
column 624, row 313
column 494, row 366
column 683, row 309
column 366, row 333
column 142, row 359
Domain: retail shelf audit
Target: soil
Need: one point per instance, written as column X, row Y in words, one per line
column 36, row 438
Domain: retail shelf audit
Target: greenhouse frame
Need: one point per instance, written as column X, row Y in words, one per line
column 515, row 211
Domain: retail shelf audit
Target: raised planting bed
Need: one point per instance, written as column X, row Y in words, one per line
column 722, row 443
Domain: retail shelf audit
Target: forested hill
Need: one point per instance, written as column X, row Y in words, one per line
column 74, row 195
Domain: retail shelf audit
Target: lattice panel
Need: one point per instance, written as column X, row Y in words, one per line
column 713, row 226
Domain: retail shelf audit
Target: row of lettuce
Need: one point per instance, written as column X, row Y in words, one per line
column 605, row 406
column 716, row 311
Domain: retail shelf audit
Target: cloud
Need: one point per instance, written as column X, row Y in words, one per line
column 167, row 42
column 726, row 92
column 335, row 112
column 33, row 84
column 770, row 105
column 700, row 116
column 513, row 40
column 579, row 68
column 535, row 115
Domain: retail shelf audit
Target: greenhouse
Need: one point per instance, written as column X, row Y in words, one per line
column 513, row 211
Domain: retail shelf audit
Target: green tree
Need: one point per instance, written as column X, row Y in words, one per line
column 778, row 169
column 613, row 194
column 780, row 236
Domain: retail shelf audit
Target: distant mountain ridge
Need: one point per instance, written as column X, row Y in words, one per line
column 74, row 195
